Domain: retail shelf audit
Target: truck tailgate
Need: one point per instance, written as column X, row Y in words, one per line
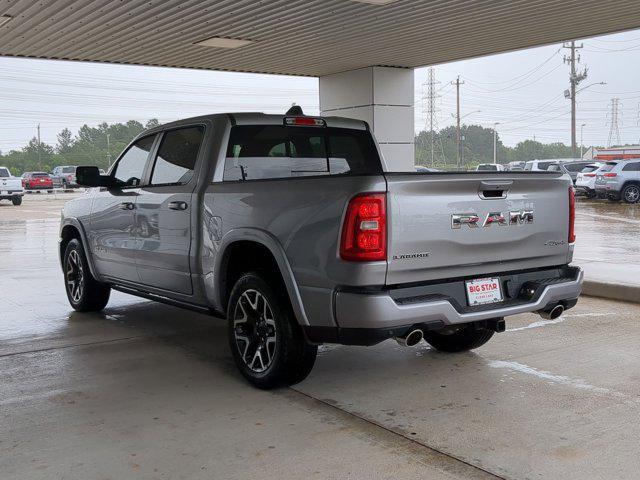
column 522, row 223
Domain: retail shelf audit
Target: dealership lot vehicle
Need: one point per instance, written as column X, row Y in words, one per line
column 574, row 168
column 586, row 179
column 64, row 177
column 301, row 236
column 37, row 181
column 490, row 167
column 10, row 187
column 619, row 181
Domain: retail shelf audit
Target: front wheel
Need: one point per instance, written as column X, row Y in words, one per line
column 84, row 292
column 631, row 193
column 267, row 344
column 16, row 201
column 463, row 339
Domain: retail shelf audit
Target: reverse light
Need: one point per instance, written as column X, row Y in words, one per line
column 572, row 216
column 364, row 233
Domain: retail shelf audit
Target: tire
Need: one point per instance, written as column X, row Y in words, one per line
column 611, row 198
column 84, row 292
column 466, row 338
column 16, row 201
column 631, row 193
column 267, row 343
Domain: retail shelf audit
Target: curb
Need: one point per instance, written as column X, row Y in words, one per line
column 611, row 291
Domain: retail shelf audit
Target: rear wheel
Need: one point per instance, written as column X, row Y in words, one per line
column 631, row 193
column 463, row 339
column 16, row 201
column 267, row 344
column 84, row 292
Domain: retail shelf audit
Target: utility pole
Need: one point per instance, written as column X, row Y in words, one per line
column 495, row 143
column 39, row 149
column 574, row 79
column 108, row 152
column 457, row 83
column 614, row 130
column 581, row 144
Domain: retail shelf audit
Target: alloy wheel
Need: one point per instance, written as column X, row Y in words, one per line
column 632, row 194
column 74, row 276
column 255, row 331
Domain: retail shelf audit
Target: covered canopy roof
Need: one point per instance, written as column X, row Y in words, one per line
column 298, row 37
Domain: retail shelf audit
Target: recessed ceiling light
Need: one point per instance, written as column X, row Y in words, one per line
column 222, row 42
column 376, row 2
column 4, row 19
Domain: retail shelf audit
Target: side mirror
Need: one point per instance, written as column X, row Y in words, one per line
column 89, row 176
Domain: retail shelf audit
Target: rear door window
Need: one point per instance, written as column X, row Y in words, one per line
column 130, row 167
column 258, row 152
column 632, row 167
column 177, row 155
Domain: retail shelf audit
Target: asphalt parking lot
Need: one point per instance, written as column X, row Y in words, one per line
column 145, row 390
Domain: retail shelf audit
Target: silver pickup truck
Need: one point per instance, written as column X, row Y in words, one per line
column 294, row 229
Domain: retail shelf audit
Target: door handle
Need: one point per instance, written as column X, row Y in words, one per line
column 178, row 205
column 127, row 206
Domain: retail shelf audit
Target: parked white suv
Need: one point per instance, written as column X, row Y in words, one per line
column 10, row 187
column 586, row 179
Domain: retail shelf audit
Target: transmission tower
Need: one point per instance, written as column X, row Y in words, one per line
column 614, row 120
column 430, row 111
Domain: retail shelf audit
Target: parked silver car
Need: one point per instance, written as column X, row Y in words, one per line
column 619, row 180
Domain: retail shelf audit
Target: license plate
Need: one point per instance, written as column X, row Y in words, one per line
column 483, row 290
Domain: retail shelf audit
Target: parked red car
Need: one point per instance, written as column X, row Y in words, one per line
column 37, row 181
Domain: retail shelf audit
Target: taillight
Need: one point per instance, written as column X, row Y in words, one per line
column 364, row 233
column 69, row 177
column 572, row 216
column 610, row 174
column 589, row 174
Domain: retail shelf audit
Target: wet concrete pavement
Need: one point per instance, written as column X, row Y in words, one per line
column 608, row 241
column 144, row 390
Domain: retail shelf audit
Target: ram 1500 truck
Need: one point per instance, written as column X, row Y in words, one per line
column 294, row 229
column 10, row 187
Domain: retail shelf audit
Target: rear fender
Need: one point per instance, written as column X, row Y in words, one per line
column 273, row 245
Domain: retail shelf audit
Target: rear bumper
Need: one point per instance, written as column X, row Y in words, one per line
column 9, row 194
column 364, row 316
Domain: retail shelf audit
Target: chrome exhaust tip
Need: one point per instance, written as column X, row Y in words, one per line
column 552, row 313
column 411, row 339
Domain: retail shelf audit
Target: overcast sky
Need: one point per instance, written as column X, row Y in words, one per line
column 522, row 90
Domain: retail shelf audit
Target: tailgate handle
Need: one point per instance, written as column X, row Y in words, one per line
column 494, row 189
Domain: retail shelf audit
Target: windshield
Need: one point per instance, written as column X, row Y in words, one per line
column 4, row 173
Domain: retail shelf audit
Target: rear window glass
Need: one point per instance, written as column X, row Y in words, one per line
column 258, row 152
column 544, row 165
column 589, row 168
column 608, row 167
column 68, row 169
column 39, row 174
column 177, row 156
column 4, row 173
column 574, row 167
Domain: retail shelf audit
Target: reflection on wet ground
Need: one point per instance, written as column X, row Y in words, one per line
column 608, row 241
